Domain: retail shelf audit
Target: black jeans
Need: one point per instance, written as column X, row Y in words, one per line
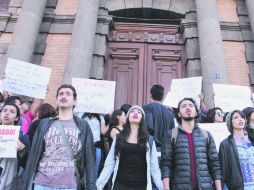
column 119, row 186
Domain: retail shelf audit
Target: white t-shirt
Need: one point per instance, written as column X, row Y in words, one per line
column 95, row 127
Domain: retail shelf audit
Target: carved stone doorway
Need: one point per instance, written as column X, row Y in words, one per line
column 141, row 55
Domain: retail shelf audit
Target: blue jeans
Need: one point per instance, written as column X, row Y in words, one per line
column 40, row 187
column 97, row 161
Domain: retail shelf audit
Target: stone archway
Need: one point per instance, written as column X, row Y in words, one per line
column 177, row 6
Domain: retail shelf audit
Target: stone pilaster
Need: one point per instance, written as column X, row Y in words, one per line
column 26, row 31
column 82, row 42
column 211, row 48
column 250, row 8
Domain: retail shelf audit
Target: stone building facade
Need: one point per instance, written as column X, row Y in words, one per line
column 135, row 42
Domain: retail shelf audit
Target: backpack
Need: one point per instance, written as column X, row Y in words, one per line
column 174, row 134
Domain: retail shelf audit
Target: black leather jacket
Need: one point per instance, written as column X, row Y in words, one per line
column 175, row 160
column 230, row 165
column 84, row 155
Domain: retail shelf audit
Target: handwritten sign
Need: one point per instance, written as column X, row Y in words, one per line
column 219, row 131
column 181, row 88
column 94, row 96
column 26, row 79
column 9, row 135
column 231, row 97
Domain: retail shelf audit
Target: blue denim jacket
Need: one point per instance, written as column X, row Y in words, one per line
column 112, row 163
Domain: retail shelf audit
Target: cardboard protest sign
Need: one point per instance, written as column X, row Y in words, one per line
column 231, row 97
column 94, row 96
column 9, row 135
column 26, row 79
column 219, row 131
column 181, row 88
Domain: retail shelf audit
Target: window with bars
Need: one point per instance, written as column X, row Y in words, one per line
column 4, row 4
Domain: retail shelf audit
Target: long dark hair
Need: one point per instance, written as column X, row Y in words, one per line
column 46, row 110
column 114, row 121
column 122, row 137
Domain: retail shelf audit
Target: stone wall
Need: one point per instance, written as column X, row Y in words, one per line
column 53, row 41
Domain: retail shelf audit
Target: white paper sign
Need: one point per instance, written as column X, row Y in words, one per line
column 219, row 131
column 181, row 88
column 94, row 96
column 231, row 97
column 26, row 79
column 1, row 86
column 9, row 135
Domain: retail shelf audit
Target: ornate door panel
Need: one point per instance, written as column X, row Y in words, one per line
column 164, row 63
column 141, row 55
column 125, row 66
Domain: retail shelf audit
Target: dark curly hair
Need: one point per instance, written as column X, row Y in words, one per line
column 124, row 135
column 114, row 121
column 46, row 110
column 179, row 119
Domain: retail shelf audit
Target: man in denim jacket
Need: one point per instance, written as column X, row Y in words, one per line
column 50, row 164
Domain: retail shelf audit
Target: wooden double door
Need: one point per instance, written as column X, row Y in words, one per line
column 136, row 66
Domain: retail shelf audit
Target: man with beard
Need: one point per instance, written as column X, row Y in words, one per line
column 190, row 161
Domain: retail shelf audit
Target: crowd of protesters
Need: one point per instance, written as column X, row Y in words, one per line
column 132, row 148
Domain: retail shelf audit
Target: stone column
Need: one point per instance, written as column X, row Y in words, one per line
column 211, row 48
column 26, row 31
column 82, row 42
column 250, row 7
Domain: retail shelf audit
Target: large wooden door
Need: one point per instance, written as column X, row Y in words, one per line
column 137, row 61
column 125, row 66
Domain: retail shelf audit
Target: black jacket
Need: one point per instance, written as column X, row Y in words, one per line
column 230, row 165
column 159, row 120
column 175, row 160
column 84, row 155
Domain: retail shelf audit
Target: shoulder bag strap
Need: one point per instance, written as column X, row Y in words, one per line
column 70, row 151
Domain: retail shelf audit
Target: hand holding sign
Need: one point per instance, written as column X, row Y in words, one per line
column 8, row 141
column 181, row 88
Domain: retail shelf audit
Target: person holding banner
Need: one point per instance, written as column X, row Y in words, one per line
column 132, row 157
column 9, row 166
column 62, row 152
column 237, row 154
